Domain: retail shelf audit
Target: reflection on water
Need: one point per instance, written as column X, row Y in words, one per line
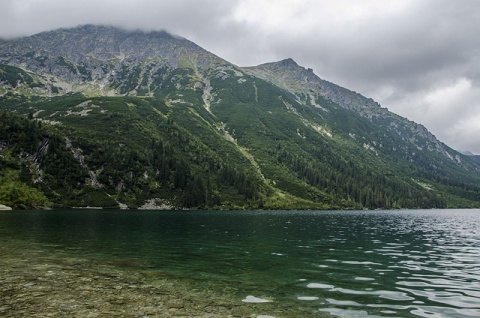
column 349, row 264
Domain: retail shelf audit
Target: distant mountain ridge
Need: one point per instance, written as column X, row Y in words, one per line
column 152, row 119
column 470, row 154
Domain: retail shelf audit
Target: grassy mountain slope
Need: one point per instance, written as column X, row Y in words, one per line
column 113, row 118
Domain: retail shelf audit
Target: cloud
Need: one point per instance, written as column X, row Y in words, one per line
column 466, row 132
column 420, row 59
column 23, row 17
column 451, row 111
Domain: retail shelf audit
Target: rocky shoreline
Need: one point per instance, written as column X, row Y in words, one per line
column 35, row 285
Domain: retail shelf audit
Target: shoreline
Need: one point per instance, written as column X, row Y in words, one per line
column 33, row 284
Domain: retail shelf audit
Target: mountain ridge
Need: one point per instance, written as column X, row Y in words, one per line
column 299, row 80
column 150, row 117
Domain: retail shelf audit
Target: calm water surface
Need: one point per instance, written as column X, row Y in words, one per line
column 349, row 264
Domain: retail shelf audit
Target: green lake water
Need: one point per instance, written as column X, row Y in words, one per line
column 412, row 263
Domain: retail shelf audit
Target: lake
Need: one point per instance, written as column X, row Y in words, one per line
column 99, row 263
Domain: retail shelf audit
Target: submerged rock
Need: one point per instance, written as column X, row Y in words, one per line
column 256, row 300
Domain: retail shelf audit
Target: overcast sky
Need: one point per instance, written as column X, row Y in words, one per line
column 418, row 58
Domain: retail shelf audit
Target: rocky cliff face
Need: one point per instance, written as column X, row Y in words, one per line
column 103, row 58
column 307, row 86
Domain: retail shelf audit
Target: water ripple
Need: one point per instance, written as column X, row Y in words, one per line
column 346, row 263
column 435, row 260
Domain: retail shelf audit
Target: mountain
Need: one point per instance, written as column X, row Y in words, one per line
column 471, row 154
column 100, row 116
column 308, row 88
column 103, row 60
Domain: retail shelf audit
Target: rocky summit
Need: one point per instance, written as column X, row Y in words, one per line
column 97, row 116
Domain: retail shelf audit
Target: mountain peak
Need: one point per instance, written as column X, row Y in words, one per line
column 287, row 62
column 94, row 29
column 100, row 53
